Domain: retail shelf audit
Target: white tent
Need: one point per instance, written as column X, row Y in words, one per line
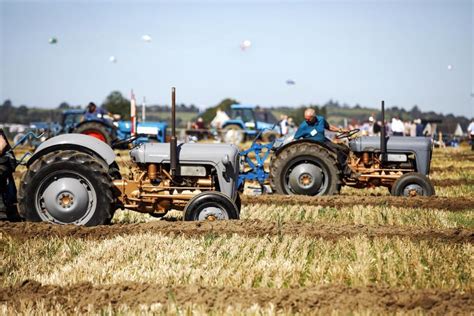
column 458, row 131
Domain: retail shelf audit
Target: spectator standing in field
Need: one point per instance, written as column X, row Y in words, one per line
column 413, row 129
column 291, row 125
column 199, row 124
column 419, row 128
column 283, row 124
column 397, row 127
column 470, row 131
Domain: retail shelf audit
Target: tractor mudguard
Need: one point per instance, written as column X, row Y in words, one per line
column 79, row 142
column 303, row 140
column 106, row 123
column 239, row 123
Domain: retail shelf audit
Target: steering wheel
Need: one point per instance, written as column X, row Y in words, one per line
column 121, row 143
column 347, row 134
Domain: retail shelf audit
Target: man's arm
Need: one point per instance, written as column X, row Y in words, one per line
column 333, row 128
column 300, row 132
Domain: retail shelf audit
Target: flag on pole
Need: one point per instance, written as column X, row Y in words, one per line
column 133, row 114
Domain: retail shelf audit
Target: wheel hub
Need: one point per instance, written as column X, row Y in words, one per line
column 413, row 190
column 66, row 199
column 213, row 214
column 306, row 178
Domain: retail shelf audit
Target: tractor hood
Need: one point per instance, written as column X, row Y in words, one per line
column 187, row 153
column 223, row 157
column 420, row 146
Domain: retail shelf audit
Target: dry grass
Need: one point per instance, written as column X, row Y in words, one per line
column 238, row 261
column 270, row 262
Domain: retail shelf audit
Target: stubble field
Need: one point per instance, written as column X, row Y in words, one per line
column 362, row 252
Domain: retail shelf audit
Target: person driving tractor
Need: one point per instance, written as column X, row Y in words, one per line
column 313, row 128
column 93, row 112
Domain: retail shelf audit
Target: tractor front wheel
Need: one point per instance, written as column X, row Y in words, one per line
column 413, row 184
column 210, row 206
column 67, row 187
column 233, row 134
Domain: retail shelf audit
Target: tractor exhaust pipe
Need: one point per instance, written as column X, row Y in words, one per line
column 383, row 136
column 173, row 140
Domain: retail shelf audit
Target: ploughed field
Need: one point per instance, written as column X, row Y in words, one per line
column 361, row 252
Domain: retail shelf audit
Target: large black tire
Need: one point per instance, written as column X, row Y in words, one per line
column 238, row 202
column 413, row 184
column 67, row 187
column 97, row 130
column 312, row 169
column 210, row 206
column 233, row 134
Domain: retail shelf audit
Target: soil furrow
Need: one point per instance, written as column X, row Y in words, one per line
column 251, row 228
column 452, row 182
column 434, row 202
column 321, row 298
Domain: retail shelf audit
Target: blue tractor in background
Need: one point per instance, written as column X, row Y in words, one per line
column 246, row 122
column 102, row 128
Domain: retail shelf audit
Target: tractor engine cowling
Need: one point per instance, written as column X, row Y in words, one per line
column 398, row 149
column 153, row 188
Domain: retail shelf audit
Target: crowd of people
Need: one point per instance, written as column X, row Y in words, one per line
column 395, row 127
column 371, row 127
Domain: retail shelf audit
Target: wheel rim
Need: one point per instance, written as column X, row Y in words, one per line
column 233, row 136
column 413, row 190
column 306, row 177
column 95, row 134
column 212, row 213
column 66, row 198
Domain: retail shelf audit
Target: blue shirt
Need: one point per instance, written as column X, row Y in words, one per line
column 96, row 115
column 313, row 131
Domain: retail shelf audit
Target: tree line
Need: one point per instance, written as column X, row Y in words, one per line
column 116, row 103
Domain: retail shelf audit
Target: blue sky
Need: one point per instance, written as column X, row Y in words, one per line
column 352, row 51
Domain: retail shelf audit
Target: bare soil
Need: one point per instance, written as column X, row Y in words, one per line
column 452, row 182
column 321, row 298
column 466, row 156
column 434, row 202
column 252, row 228
column 451, row 168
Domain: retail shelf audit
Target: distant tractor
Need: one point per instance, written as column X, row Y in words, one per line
column 74, row 179
column 102, row 128
column 244, row 124
column 306, row 167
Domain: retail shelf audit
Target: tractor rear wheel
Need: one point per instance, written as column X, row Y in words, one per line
column 233, row 134
column 210, row 206
column 305, row 169
column 96, row 130
column 67, row 187
column 413, row 184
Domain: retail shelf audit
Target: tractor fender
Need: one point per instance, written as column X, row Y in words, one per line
column 299, row 141
column 103, row 122
column 234, row 122
column 79, row 142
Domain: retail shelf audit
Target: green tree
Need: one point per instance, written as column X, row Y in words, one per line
column 224, row 105
column 64, row 106
column 116, row 103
